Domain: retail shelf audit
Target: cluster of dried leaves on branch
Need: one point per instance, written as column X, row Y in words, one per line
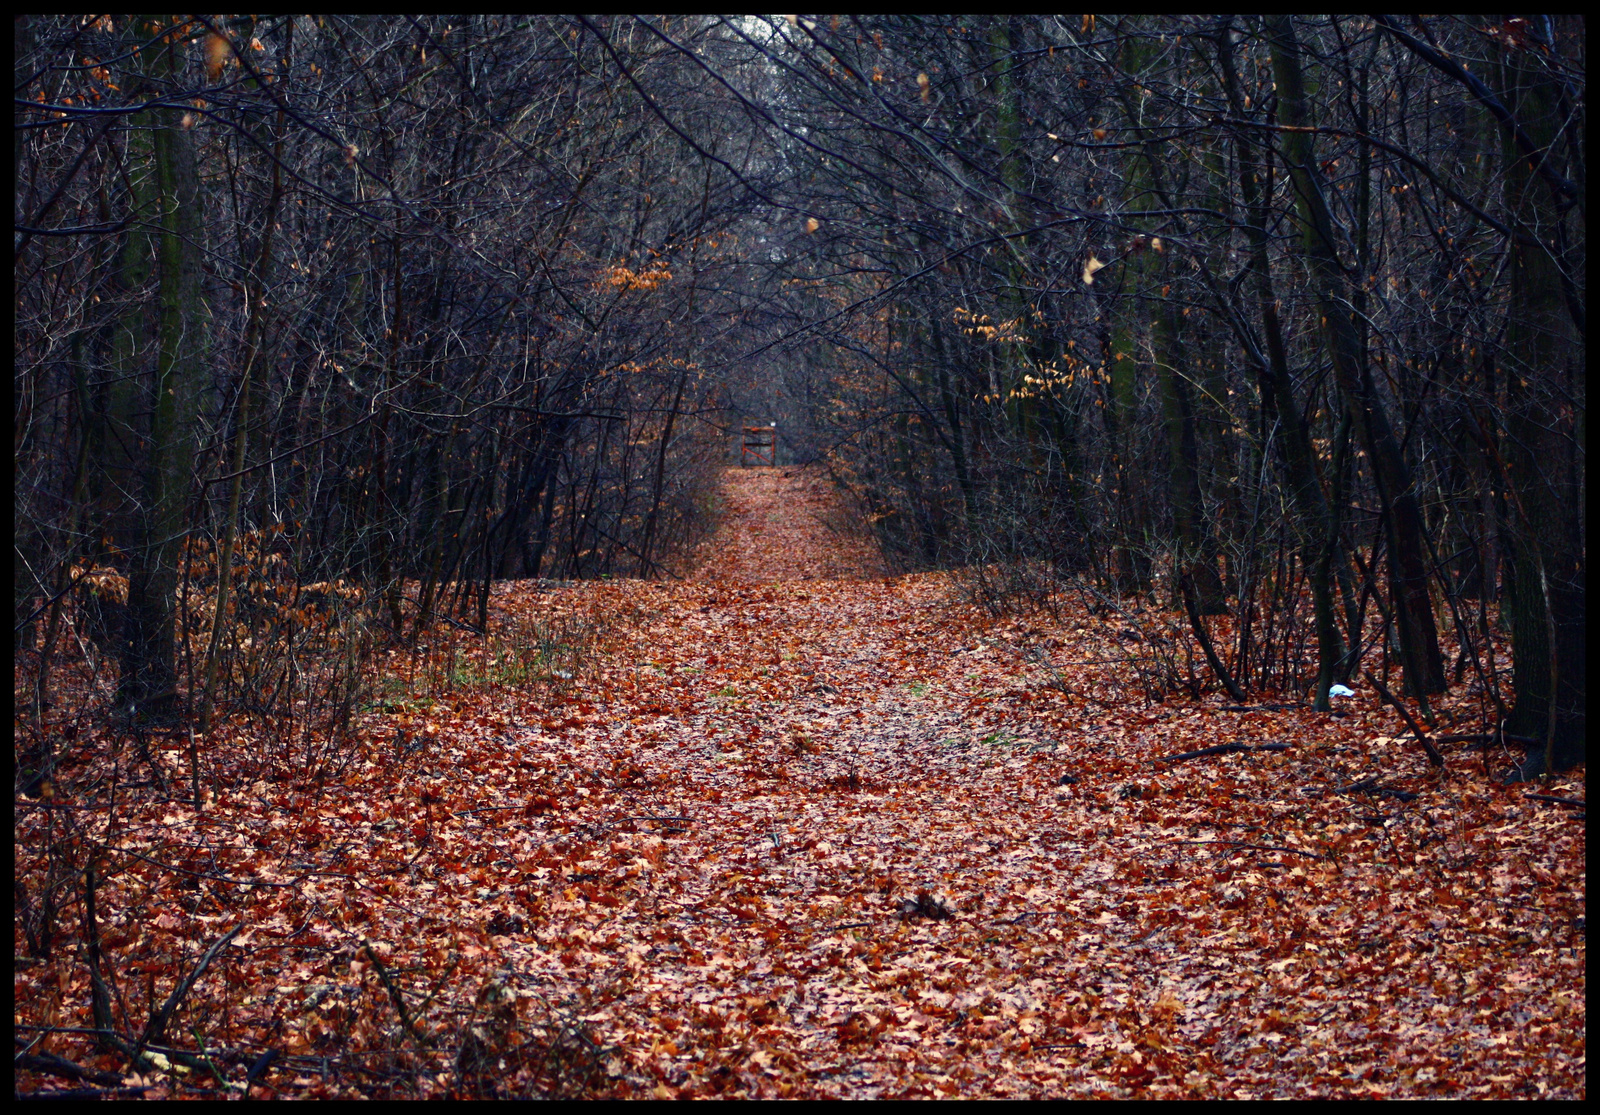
column 830, row 838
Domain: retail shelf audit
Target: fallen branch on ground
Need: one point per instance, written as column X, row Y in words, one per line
column 1422, row 737
column 1370, row 786
column 1258, row 847
column 1223, row 749
column 394, row 995
column 60, row 1066
column 1576, row 803
column 156, row 1028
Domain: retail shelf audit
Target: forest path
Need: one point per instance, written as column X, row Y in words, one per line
column 859, row 833
column 784, row 524
column 863, row 820
column 851, row 837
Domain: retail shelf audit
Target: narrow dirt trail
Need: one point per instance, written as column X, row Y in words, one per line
column 784, row 524
column 821, row 913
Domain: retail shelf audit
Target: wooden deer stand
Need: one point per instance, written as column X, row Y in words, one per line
column 760, row 442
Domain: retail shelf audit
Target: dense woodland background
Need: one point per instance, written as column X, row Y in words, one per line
column 339, row 319
column 414, row 699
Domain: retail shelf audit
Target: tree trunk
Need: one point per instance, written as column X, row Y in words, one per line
column 149, row 668
column 1318, row 521
column 1341, row 330
column 1545, row 600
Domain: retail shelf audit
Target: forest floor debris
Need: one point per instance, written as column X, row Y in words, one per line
column 798, row 829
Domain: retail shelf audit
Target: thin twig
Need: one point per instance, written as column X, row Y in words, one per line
column 394, row 994
column 128, row 1090
column 258, row 1070
column 1422, row 737
column 155, row 1029
column 1258, row 847
column 205, row 874
column 60, row 1066
column 1026, row 914
column 1576, row 803
column 1199, row 628
column 1482, row 738
column 1223, row 749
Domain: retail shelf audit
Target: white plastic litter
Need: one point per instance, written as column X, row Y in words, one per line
column 1340, row 691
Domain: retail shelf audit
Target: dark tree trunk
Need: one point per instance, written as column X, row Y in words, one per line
column 149, row 666
column 1341, row 329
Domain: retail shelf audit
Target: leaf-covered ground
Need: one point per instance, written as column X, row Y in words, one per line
column 802, row 831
